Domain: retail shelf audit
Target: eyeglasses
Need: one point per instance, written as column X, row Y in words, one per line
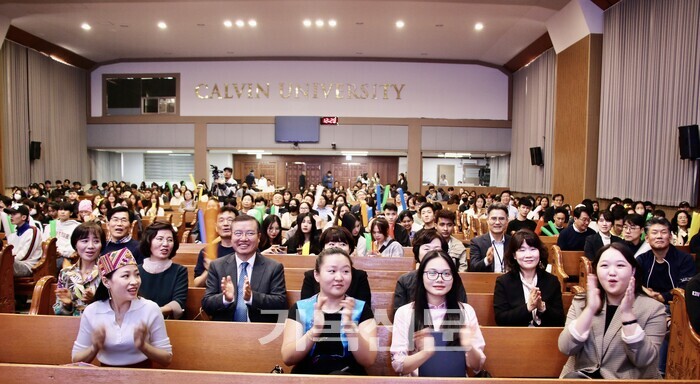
column 630, row 227
column 116, row 220
column 245, row 234
column 586, row 220
column 433, row 275
column 225, row 220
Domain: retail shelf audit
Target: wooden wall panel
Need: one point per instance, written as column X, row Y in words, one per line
column 577, row 119
column 316, row 166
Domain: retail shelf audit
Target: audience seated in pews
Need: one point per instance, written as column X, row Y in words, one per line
column 573, row 237
column 331, row 332
column 436, row 335
column 616, row 318
column 339, row 237
column 25, row 240
column 445, row 226
column 224, row 220
column 119, row 227
column 271, row 235
column 120, row 328
column 306, row 233
column 259, row 283
column 425, row 241
column 603, row 237
column 61, row 229
column 527, row 295
column 486, row 252
column 163, row 281
column 382, row 244
column 78, row 282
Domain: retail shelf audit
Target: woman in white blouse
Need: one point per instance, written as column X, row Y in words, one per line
column 449, row 334
column 382, row 244
column 120, row 328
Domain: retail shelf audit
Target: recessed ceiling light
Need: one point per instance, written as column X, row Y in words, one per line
column 400, row 24
column 252, row 23
column 228, row 23
column 319, row 23
column 162, row 25
column 479, row 26
column 332, row 23
column 240, row 23
column 307, row 23
column 85, row 26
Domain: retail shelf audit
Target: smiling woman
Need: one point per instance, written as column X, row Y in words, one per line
column 162, row 281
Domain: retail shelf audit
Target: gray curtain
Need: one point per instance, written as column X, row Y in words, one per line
column 650, row 86
column 45, row 101
column 533, row 124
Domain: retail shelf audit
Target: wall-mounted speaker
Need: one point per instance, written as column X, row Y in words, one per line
column 35, row 150
column 689, row 141
column 536, row 156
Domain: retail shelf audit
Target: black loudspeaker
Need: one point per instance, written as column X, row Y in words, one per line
column 536, row 156
column 689, row 141
column 35, row 150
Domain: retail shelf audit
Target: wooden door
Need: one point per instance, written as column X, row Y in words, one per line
column 293, row 171
column 313, row 173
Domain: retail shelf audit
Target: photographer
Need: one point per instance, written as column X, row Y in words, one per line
column 223, row 187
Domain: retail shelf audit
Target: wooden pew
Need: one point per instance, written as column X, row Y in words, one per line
column 187, row 255
column 684, row 343
column 7, row 281
column 565, row 266
column 45, row 267
column 194, row 347
column 41, row 374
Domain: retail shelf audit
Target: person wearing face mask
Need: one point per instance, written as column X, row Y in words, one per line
column 177, row 199
column 290, row 217
column 17, row 196
column 62, row 229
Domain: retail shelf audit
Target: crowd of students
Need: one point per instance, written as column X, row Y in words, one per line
column 125, row 288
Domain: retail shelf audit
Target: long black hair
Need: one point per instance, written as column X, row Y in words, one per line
column 265, row 241
column 453, row 320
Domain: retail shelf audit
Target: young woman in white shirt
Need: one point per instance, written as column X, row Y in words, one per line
column 120, row 328
column 436, row 312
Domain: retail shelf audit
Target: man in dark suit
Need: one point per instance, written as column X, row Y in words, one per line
column 397, row 232
column 487, row 251
column 573, row 237
column 606, row 219
column 232, row 296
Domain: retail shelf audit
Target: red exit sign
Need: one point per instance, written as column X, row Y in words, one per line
column 329, row 120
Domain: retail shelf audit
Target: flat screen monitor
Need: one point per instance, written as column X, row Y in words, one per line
column 297, row 129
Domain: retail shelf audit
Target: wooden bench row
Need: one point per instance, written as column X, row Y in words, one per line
column 382, row 303
column 477, row 282
column 255, row 347
column 41, row 374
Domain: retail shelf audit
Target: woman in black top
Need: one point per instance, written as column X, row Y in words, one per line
column 162, row 280
column 527, row 295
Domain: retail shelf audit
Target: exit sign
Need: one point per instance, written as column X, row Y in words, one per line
column 329, row 120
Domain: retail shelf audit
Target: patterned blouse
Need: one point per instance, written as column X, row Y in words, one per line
column 72, row 279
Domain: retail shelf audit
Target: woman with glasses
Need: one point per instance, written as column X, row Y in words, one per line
column 436, row 335
column 527, row 296
column 330, row 332
column 162, row 281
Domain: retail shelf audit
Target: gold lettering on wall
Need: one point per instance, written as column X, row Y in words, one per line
column 308, row 91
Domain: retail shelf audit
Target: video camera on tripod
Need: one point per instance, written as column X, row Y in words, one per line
column 215, row 172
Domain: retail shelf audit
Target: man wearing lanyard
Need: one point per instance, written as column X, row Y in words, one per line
column 487, row 251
